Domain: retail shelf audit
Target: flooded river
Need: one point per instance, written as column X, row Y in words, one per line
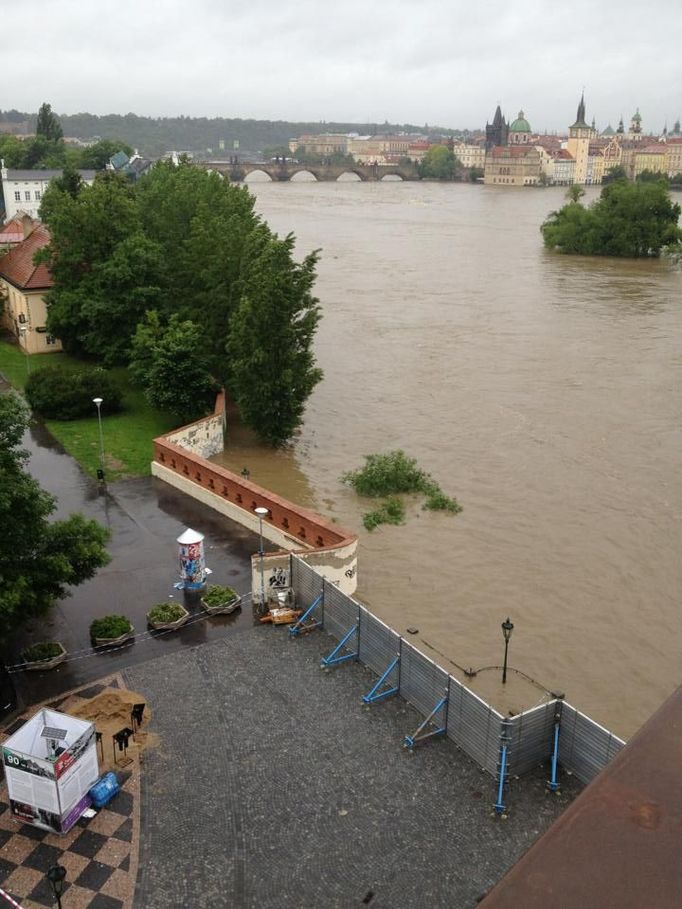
column 543, row 391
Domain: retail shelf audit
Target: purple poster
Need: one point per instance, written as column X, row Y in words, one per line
column 69, row 819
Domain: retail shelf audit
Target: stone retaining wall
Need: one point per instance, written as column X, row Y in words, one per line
column 180, row 459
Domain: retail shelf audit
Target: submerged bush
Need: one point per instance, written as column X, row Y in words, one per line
column 391, row 512
column 391, row 473
column 62, row 394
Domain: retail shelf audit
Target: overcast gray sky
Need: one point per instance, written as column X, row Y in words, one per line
column 444, row 62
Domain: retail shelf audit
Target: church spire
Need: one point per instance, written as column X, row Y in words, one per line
column 580, row 117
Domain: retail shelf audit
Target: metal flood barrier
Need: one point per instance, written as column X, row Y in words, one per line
column 503, row 746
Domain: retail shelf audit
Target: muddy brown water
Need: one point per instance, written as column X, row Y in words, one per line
column 543, row 391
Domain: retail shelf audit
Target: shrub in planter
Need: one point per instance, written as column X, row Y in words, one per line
column 63, row 394
column 111, row 628
column 167, row 614
column 219, row 595
column 45, row 654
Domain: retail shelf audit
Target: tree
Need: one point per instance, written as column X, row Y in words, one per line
column 476, row 174
column 617, row 172
column 652, row 176
column 630, row 220
column 106, row 271
column 170, row 364
column 39, row 558
column 97, row 156
column 439, row 163
column 48, row 125
column 272, row 364
column 575, row 192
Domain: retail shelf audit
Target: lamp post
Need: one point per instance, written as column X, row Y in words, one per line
column 24, row 332
column 98, row 403
column 55, row 876
column 261, row 512
column 507, row 628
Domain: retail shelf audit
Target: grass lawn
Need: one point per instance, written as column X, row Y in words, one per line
column 127, row 435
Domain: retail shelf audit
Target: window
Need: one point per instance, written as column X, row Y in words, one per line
column 17, row 196
column 27, row 195
column 50, row 339
column 38, row 195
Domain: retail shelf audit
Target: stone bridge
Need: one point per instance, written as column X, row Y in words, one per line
column 281, row 172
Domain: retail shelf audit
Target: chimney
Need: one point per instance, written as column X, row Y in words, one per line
column 27, row 225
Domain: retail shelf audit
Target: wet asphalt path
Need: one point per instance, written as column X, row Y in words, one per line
column 145, row 516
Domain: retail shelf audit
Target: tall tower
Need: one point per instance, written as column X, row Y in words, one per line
column 578, row 145
column 496, row 133
column 635, row 126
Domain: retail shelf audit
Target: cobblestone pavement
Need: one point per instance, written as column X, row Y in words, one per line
column 273, row 786
column 100, row 855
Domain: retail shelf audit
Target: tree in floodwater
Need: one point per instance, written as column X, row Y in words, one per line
column 631, row 220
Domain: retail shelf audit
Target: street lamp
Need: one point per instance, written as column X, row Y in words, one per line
column 507, row 628
column 55, row 876
column 98, row 403
column 261, row 512
column 24, row 331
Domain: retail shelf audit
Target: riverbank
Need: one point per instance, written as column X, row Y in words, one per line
column 127, row 435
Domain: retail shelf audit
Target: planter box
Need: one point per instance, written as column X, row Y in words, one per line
column 114, row 642
column 39, row 665
column 223, row 608
column 170, row 626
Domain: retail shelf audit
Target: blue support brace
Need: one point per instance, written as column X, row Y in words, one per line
column 335, row 657
column 499, row 804
column 302, row 624
column 420, row 735
column 553, row 783
column 376, row 694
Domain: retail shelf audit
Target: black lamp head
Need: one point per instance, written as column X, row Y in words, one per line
column 507, row 628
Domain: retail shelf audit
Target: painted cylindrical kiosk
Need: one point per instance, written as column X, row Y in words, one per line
column 192, row 562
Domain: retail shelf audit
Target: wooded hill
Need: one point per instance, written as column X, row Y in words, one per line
column 153, row 136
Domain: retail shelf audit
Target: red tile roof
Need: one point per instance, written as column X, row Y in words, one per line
column 17, row 266
column 13, row 231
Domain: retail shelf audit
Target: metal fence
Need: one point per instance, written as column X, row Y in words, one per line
column 528, row 739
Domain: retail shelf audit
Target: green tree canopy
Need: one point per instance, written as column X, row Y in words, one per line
column 439, row 163
column 39, row 558
column 272, row 365
column 48, row 125
column 617, row 172
column 630, row 220
column 169, row 362
column 106, row 271
column 97, row 156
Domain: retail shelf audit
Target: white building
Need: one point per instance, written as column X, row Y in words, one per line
column 23, row 189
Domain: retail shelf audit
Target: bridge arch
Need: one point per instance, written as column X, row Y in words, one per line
column 259, row 172
column 351, row 172
column 303, row 172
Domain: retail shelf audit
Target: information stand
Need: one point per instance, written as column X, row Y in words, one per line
column 50, row 764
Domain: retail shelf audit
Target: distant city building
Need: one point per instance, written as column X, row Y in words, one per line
column 519, row 131
column 513, row 165
column 471, row 156
column 579, row 137
column 23, row 190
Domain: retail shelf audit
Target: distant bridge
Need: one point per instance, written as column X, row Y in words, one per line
column 281, row 172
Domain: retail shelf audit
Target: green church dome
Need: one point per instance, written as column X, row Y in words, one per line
column 520, row 125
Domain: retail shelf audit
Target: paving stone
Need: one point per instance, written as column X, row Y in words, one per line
column 273, row 787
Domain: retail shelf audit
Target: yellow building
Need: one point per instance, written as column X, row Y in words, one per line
column 578, row 145
column 674, row 157
column 470, row 155
column 325, row 144
column 651, row 157
column 512, row 165
column 22, row 285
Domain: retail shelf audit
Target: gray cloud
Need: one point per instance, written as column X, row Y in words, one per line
column 437, row 61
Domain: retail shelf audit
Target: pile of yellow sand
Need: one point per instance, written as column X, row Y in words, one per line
column 110, row 712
